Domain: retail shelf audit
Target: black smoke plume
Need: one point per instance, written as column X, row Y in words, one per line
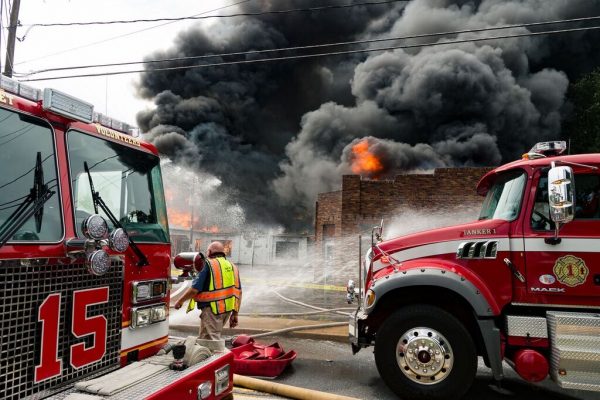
column 276, row 134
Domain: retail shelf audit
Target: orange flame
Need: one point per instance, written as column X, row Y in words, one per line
column 179, row 219
column 211, row 229
column 182, row 219
column 363, row 161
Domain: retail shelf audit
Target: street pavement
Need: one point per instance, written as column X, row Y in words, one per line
column 325, row 361
column 270, row 295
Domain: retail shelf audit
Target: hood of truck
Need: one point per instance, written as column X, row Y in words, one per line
column 441, row 241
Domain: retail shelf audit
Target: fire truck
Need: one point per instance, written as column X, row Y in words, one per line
column 85, row 258
column 521, row 285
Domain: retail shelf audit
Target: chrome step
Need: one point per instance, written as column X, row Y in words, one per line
column 575, row 340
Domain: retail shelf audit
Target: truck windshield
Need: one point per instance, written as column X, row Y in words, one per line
column 21, row 138
column 128, row 180
column 503, row 200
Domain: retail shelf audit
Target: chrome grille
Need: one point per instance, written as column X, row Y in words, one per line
column 24, row 286
column 477, row 250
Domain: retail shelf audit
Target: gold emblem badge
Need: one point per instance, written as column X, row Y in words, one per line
column 571, row 271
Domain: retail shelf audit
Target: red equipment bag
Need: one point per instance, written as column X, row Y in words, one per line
column 253, row 359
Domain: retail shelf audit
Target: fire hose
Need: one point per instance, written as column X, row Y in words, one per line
column 301, row 327
column 279, row 389
column 287, row 390
column 318, row 310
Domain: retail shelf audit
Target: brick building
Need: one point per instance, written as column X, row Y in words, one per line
column 343, row 215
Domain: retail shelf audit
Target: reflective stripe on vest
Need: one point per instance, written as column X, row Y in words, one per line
column 224, row 288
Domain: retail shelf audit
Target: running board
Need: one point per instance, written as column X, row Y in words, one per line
column 575, row 340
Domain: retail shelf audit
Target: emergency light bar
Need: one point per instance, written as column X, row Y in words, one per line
column 113, row 123
column 69, row 106
column 64, row 104
column 15, row 87
column 546, row 149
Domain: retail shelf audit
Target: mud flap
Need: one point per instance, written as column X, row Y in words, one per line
column 491, row 340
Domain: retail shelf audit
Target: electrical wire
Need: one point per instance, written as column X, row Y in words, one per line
column 8, row 207
column 316, row 46
column 25, row 174
column 317, row 55
column 196, row 17
column 121, row 36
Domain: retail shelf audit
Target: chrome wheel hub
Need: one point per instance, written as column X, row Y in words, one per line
column 424, row 356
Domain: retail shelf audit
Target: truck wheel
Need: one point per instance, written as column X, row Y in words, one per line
column 423, row 352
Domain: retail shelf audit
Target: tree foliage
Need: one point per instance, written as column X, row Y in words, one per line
column 582, row 127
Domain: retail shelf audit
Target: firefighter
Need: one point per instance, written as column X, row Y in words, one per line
column 217, row 291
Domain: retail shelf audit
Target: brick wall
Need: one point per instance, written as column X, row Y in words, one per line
column 361, row 204
column 328, row 211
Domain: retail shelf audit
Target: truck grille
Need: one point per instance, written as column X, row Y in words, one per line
column 24, row 285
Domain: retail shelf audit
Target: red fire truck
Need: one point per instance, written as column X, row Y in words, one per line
column 84, row 256
column 521, row 284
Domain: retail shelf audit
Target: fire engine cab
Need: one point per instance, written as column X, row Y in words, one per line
column 85, row 259
column 521, row 284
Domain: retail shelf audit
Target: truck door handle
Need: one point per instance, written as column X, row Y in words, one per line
column 514, row 270
column 552, row 240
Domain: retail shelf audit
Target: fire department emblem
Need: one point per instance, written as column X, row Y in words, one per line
column 571, row 271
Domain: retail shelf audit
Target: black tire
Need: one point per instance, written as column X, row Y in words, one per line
column 455, row 383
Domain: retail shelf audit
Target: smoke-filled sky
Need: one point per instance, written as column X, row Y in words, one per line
column 276, row 134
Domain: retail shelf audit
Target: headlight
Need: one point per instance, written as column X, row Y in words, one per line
column 221, row 380
column 94, row 227
column 141, row 291
column 118, row 240
column 148, row 315
column 98, row 262
column 158, row 313
column 147, row 290
column 204, row 390
column 140, row 317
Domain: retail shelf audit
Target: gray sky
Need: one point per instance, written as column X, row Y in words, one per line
column 50, row 47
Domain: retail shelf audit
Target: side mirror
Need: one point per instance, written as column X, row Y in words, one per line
column 561, row 194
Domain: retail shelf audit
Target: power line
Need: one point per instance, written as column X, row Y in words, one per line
column 317, row 55
column 195, row 17
column 122, row 36
column 336, row 44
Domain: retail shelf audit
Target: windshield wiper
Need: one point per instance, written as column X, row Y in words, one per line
column 97, row 200
column 32, row 205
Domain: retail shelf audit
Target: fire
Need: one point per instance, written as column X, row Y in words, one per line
column 179, row 219
column 363, row 161
column 182, row 220
column 211, row 229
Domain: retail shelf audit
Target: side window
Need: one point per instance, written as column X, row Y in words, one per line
column 540, row 217
column 587, row 202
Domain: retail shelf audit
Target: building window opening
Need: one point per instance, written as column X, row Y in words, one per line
column 287, row 250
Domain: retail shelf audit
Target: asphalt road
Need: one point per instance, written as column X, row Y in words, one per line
column 330, row 367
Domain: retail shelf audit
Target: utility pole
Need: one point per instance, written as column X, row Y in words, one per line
column 192, row 244
column 12, row 35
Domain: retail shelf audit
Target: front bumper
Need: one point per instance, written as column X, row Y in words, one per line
column 170, row 384
column 357, row 329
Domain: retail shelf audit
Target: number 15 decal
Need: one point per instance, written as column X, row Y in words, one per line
column 50, row 365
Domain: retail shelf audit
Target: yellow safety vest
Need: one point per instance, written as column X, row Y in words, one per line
column 224, row 290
